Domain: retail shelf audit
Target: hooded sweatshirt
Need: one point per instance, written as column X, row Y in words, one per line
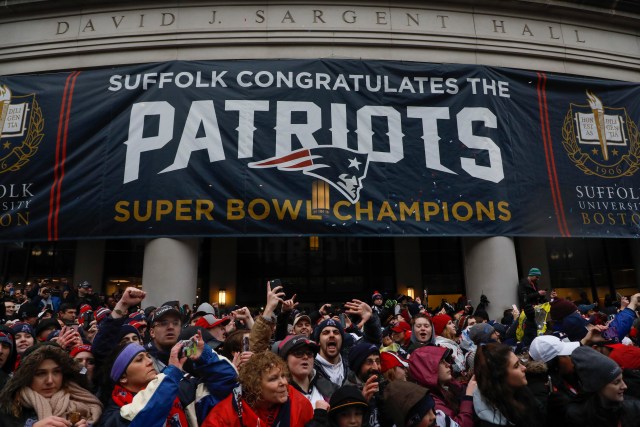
column 423, row 368
column 486, row 412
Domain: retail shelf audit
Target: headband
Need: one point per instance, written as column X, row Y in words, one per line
column 124, row 359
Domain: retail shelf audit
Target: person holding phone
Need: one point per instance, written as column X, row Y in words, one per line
column 141, row 395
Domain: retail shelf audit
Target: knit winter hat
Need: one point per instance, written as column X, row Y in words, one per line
column 376, row 295
column 359, row 353
column 6, row 338
column 324, row 324
column 23, row 327
column 481, row 333
column 440, row 322
column 594, row 369
column 535, row 272
column 561, row 308
column 101, row 313
column 626, row 356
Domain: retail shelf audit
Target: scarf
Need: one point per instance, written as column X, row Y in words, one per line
column 71, row 398
column 121, row 396
column 335, row 372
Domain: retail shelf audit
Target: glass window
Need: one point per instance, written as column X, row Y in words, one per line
column 123, row 262
column 342, row 267
column 442, row 265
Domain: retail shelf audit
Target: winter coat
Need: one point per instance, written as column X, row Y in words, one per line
column 487, row 414
column 225, row 414
column 323, row 386
column 23, row 377
column 592, row 412
column 423, row 368
column 216, row 379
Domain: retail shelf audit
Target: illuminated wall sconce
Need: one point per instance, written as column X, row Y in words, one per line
column 314, row 243
column 36, row 251
column 222, row 297
column 410, row 292
column 320, row 198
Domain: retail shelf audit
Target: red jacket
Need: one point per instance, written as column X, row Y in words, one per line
column 224, row 413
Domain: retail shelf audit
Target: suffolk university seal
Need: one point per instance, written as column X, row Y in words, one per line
column 21, row 129
column 601, row 140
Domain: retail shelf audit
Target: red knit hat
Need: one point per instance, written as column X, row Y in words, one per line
column 627, row 356
column 440, row 322
column 79, row 349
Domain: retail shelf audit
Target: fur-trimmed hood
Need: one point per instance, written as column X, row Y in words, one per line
column 23, row 376
column 536, row 368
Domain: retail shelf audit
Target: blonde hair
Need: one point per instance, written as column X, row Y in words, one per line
column 251, row 374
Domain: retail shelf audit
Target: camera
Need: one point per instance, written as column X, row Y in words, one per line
column 245, row 343
column 189, row 348
column 275, row 282
column 87, row 318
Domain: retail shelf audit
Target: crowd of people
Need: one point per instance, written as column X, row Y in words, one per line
column 71, row 358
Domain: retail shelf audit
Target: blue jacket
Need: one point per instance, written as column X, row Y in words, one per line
column 216, row 378
column 623, row 322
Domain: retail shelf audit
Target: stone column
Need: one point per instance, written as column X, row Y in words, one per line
column 490, row 268
column 170, row 271
column 89, row 263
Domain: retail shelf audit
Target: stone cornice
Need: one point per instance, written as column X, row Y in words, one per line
column 522, row 34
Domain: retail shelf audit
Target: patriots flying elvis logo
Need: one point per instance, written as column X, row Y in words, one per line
column 343, row 168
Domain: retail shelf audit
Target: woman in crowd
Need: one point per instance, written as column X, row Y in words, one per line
column 25, row 337
column 142, row 396
column 299, row 352
column 431, row 368
column 47, row 390
column 502, row 397
column 602, row 404
column 446, row 336
column 266, row 398
column 421, row 332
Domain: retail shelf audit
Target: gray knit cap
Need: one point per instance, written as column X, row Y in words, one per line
column 481, row 333
column 595, row 370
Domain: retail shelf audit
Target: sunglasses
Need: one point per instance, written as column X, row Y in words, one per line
column 299, row 354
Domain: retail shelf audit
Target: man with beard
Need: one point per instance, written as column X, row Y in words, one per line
column 329, row 362
column 365, row 373
column 298, row 352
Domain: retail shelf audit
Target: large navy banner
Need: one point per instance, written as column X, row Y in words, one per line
column 322, row 147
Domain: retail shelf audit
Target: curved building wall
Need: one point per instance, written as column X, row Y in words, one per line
column 562, row 37
column 552, row 36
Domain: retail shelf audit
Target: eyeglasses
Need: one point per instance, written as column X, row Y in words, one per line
column 299, row 354
column 165, row 323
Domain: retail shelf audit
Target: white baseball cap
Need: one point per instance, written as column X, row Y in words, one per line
column 546, row 347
